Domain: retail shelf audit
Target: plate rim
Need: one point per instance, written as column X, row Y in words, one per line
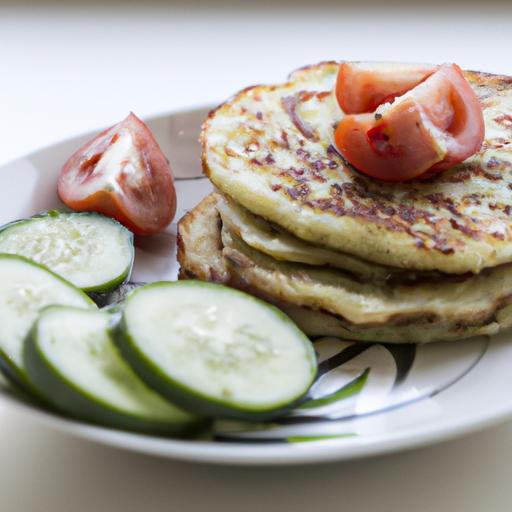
column 241, row 454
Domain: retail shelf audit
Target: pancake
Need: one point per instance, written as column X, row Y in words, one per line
column 282, row 245
column 324, row 301
column 269, row 149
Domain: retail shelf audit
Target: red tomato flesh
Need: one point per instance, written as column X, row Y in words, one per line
column 124, row 174
column 434, row 126
column 362, row 86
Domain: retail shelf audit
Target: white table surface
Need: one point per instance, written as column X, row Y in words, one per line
column 69, row 69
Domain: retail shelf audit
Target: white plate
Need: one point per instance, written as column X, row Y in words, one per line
column 393, row 397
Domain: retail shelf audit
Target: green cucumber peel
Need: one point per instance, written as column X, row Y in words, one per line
column 102, row 287
column 189, row 398
column 75, row 400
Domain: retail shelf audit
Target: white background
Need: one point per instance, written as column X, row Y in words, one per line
column 66, row 69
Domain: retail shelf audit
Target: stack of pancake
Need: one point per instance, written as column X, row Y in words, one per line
column 341, row 253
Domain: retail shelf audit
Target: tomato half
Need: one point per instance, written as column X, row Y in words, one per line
column 124, row 174
column 436, row 125
column 362, row 86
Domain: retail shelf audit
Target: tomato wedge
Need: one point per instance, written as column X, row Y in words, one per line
column 362, row 86
column 434, row 126
column 124, row 174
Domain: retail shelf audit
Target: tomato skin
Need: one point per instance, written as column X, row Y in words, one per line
column 435, row 126
column 375, row 149
column 362, row 86
column 462, row 141
column 124, row 174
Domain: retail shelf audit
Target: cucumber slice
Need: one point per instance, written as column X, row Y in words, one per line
column 214, row 350
column 92, row 251
column 71, row 359
column 25, row 288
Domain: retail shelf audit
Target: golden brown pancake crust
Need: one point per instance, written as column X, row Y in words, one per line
column 269, row 147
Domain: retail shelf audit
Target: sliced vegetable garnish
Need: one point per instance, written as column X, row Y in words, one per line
column 434, row 126
column 216, row 351
column 124, row 174
column 72, row 360
column 362, row 86
column 25, row 288
column 93, row 252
